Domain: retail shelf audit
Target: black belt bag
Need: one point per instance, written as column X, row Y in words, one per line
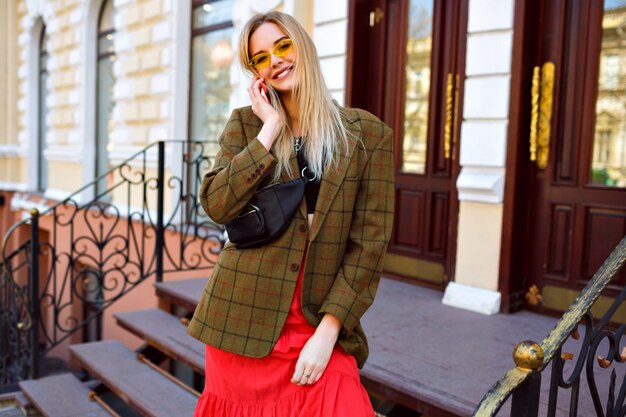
column 267, row 214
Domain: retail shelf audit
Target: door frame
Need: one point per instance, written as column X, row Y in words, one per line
column 517, row 179
column 455, row 168
column 516, row 231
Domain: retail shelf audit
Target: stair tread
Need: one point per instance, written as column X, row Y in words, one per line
column 149, row 392
column 49, row 395
column 166, row 333
column 184, row 293
column 17, row 397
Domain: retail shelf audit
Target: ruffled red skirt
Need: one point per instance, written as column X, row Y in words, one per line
column 239, row 386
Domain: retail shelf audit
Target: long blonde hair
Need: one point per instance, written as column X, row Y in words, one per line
column 320, row 120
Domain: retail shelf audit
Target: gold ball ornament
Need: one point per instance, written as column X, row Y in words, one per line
column 528, row 355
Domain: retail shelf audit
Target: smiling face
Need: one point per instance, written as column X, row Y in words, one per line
column 280, row 72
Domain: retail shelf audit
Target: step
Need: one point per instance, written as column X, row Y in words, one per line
column 184, row 293
column 17, row 397
column 166, row 333
column 11, row 412
column 149, row 392
column 50, row 396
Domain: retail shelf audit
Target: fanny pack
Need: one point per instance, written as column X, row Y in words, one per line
column 267, row 214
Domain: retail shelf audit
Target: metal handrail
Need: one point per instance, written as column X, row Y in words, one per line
column 97, row 251
column 524, row 381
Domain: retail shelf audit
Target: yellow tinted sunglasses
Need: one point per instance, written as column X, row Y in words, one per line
column 263, row 59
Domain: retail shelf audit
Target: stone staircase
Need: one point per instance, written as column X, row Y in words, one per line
column 138, row 379
column 128, row 384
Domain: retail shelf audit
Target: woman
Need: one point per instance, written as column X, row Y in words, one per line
column 281, row 322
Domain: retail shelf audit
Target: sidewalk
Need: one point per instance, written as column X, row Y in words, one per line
column 449, row 358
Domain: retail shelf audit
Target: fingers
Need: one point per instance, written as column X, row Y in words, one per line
column 251, row 88
column 254, row 89
column 315, row 376
column 308, row 375
column 298, row 374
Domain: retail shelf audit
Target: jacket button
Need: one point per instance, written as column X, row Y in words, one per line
column 249, row 180
column 262, row 166
column 294, row 267
column 302, row 228
column 253, row 176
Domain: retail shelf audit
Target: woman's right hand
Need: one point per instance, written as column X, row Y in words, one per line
column 264, row 110
column 260, row 102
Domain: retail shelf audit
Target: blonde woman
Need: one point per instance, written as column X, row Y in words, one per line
column 281, row 321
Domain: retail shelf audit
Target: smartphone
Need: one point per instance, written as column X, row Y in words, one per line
column 264, row 91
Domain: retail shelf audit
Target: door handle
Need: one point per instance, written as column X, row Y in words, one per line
column 542, row 92
column 376, row 16
column 450, row 125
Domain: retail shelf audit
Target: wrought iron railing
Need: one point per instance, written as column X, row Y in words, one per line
column 145, row 223
column 523, row 382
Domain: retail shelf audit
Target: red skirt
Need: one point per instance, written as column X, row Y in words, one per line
column 239, row 386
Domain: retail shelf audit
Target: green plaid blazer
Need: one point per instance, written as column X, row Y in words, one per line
column 246, row 300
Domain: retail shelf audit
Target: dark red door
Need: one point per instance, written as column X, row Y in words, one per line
column 577, row 212
column 405, row 64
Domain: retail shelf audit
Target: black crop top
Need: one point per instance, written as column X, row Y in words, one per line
column 311, row 188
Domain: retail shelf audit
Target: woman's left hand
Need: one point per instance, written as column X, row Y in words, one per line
column 316, row 352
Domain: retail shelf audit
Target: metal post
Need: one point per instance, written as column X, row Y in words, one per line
column 160, row 232
column 34, row 290
column 525, row 402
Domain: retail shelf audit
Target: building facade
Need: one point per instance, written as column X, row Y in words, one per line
column 509, row 119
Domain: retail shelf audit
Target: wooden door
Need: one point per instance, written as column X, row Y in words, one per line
column 405, row 65
column 577, row 211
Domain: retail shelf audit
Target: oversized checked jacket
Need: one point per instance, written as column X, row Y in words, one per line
column 246, row 300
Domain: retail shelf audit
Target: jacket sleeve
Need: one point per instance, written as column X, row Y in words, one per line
column 357, row 280
column 238, row 169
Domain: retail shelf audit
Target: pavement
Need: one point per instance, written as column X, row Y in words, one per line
column 450, row 357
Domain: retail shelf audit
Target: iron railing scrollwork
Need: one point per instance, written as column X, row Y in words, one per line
column 600, row 347
column 147, row 223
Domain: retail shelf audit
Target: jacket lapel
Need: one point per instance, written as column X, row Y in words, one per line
column 333, row 178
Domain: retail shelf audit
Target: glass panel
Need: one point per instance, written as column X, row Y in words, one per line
column 212, row 13
column 105, row 44
column 211, row 88
column 106, row 81
column 419, row 44
column 42, row 181
column 608, row 161
column 106, row 18
column 104, row 96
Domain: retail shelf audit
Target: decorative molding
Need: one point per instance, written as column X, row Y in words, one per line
column 32, row 108
column 490, row 15
column 27, row 201
column 484, row 143
column 181, row 69
column 66, row 154
column 482, row 185
column 487, row 97
column 13, row 186
column 87, row 123
column 325, row 12
column 489, row 53
column 121, row 154
column 57, row 194
column 263, row 6
column 10, row 150
column 470, row 298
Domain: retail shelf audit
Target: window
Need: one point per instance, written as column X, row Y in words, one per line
column 609, row 71
column 211, row 59
column 104, row 92
column 42, row 111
